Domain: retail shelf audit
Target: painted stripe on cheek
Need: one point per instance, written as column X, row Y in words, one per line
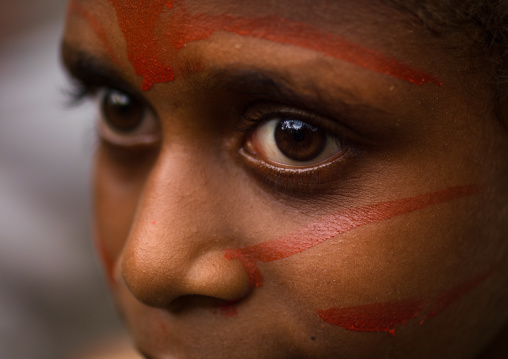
column 334, row 225
column 387, row 317
column 446, row 299
column 378, row 317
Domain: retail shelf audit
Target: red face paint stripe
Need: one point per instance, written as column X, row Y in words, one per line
column 137, row 20
column 386, row 317
column 336, row 224
column 227, row 309
column 380, row 317
column 105, row 257
column 447, row 298
column 188, row 28
column 78, row 9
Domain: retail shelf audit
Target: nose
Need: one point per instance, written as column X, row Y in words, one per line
column 176, row 244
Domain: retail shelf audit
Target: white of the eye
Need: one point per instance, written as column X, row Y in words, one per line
column 266, row 146
column 148, row 132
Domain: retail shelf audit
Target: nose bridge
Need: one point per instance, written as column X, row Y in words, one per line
column 176, row 244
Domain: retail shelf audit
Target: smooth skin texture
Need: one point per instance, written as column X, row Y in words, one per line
column 179, row 181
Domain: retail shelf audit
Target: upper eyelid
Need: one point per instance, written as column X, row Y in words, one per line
column 256, row 84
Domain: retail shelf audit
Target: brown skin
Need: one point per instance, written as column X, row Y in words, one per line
column 194, row 181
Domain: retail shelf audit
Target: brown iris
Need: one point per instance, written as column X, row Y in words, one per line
column 122, row 112
column 299, row 141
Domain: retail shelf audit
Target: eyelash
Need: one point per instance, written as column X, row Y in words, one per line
column 76, row 92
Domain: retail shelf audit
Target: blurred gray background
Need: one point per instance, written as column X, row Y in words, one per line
column 53, row 298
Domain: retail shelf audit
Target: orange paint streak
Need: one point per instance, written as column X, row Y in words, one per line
column 228, row 310
column 78, row 9
column 444, row 300
column 106, row 258
column 188, row 28
column 137, row 21
column 334, row 225
column 387, row 317
column 378, row 317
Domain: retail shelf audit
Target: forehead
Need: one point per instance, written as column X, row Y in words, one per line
column 333, row 29
column 371, row 22
column 354, row 17
column 322, row 11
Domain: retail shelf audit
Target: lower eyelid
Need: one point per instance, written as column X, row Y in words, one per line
column 108, row 135
column 295, row 179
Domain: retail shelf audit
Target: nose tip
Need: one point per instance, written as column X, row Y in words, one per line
column 182, row 252
column 158, row 275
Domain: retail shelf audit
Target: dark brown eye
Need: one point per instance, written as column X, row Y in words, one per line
column 121, row 111
column 299, row 141
column 293, row 142
column 125, row 120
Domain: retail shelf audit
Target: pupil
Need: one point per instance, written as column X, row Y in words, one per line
column 299, row 141
column 121, row 111
column 120, row 100
column 295, row 128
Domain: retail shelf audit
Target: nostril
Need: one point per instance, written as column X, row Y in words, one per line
column 200, row 302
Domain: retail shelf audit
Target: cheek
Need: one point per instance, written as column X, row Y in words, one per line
column 414, row 267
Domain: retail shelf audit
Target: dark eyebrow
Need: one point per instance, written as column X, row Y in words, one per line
column 265, row 85
column 92, row 71
column 257, row 84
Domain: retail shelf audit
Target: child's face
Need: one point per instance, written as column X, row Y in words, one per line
column 293, row 179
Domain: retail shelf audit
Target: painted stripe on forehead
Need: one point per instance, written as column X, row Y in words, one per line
column 336, row 224
column 138, row 18
column 187, row 28
column 76, row 8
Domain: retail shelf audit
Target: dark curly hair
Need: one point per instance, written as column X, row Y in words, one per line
column 484, row 22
